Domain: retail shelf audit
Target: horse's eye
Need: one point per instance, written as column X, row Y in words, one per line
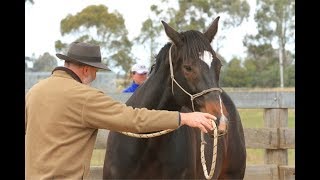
column 188, row 68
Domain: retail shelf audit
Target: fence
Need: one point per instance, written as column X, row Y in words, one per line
column 104, row 80
column 276, row 138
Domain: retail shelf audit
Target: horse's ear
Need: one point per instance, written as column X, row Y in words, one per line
column 212, row 30
column 172, row 34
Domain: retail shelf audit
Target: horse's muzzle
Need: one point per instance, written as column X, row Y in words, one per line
column 222, row 123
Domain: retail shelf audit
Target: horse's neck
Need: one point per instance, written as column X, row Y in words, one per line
column 154, row 94
column 167, row 102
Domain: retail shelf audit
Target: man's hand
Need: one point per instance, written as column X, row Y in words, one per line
column 203, row 121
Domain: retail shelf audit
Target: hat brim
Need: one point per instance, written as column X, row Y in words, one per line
column 94, row 64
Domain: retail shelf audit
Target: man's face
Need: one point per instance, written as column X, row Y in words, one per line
column 89, row 75
column 139, row 78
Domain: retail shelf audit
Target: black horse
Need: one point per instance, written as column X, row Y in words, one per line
column 185, row 77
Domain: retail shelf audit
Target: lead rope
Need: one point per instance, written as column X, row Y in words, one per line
column 214, row 153
column 215, row 134
column 215, row 142
column 203, row 142
column 147, row 135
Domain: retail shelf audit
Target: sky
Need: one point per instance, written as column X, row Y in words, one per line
column 42, row 25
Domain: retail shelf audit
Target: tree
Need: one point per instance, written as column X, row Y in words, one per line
column 289, row 71
column 261, row 64
column 61, row 47
column 46, row 62
column 290, row 76
column 276, row 24
column 96, row 25
column 235, row 75
column 192, row 14
column 148, row 36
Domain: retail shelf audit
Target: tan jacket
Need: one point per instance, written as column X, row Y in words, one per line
column 62, row 120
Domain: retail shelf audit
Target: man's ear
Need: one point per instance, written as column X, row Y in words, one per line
column 85, row 70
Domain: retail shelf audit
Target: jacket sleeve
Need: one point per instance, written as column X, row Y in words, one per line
column 102, row 112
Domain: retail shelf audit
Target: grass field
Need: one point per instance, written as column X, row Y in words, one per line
column 251, row 118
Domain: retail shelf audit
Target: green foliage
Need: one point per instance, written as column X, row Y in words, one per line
column 290, row 76
column 262, row 55
column 259, row 69
column 46, row 62
column 268, row 78
column 96, row 25
column 234, row 75
column 148, row 35
column 195, row 14
column 61, row 47
column 276, row 25
column 106, row 24
column 263, row 68
column 192, row 14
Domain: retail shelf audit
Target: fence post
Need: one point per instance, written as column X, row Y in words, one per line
column 276, row 118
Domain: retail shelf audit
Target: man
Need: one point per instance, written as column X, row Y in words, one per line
column 63, row 115
column 138, row 74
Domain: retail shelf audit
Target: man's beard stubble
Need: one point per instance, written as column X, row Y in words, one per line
column 87, row 80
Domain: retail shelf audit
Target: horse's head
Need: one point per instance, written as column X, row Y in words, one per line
column 195, row 69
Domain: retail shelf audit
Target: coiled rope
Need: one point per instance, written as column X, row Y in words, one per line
column 203, row 143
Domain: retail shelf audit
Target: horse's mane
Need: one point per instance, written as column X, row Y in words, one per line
column 195, row 42
column 159, row 58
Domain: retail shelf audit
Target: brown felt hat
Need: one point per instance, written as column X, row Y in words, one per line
column 84, row 53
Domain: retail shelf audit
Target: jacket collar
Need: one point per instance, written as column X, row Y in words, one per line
column 68, row 71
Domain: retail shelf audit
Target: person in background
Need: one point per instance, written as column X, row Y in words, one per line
column 139, row 74
column 63, row 114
